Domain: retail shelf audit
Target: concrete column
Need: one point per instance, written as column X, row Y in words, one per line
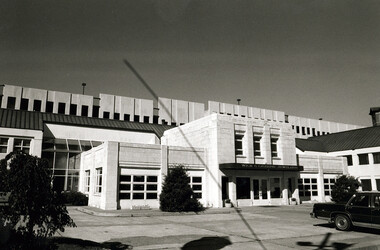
column 232, row 189
column 110, row 176
column 320, row 182
column 265, row 145
column 164, row 166
column 11, row 143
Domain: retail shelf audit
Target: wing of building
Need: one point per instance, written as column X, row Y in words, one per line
column 118, row 149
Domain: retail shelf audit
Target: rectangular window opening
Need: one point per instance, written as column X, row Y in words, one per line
column 24, row 104
column 11, row 102
column 49, row 107
column 84, row 111
column 61, row 108
column 73, row 109
column 37, row 105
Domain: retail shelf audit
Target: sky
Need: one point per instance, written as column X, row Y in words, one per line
column 309, row 58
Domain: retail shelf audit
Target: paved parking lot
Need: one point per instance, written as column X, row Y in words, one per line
column 283, row 227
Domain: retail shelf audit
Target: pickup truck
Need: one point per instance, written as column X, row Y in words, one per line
column 363, row 209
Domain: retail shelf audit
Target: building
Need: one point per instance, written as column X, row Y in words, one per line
column 118, row 149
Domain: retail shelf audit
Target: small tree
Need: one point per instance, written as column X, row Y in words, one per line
column 34, row 210
column 177, row 195
column 343, row 189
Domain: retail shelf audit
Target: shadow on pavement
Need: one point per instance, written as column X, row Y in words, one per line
column 325, row 244
column 210, row 243
column 74, row 243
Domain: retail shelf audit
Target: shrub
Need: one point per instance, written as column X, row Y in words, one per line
column 343, row 189
column 35, row 210
column 177, row 195
column 75, row 198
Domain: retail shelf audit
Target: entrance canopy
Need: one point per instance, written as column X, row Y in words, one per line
column 268, row 167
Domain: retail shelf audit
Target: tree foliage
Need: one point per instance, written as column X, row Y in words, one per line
column 34, row 210
column 177, row 195
column 343, row 189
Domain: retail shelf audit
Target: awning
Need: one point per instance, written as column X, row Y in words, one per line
column 268, row 167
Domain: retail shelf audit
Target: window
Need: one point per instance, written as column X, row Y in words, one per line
column 61, row 108
column 84, row 110
column 376, row 158
column 239, row 135
column 366, row 184
column 49, row 107
column 22, row 145
column 138, row 187
column 349, row 160
column 308, row 131
column 146, row 119
column 297, row 129
column 273, row 146
column 243, row 188
column 3, row 145
column 308, row 187
column 318, row 133
column 95, row 111
column 275, row 190
column 98, row 186
column 11, row 103
column 363, row 159
column 106, row 115
column 257, row 144
column 196, row 184
column 360, row 200
column 37, row 105
column 24, row 104
column 127, row 117
column 87, row 181
column 73, row 109
column 303, row 131
column 313, row 130
column 116, row 116
column 136, row 118
column 378, row 184
column 328, row 184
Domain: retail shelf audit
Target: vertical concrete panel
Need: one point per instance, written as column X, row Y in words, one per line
column 164, row 110
column 256, row 113
column 181, row 111
column 268, row 114
column 81, row 100
column 213, row 107
column 110, row 176
column 11, row 91
column 243, row 111
column 280, row 116
column 146, row 109
column 107, row 104
column 35, row 94
column 59, row 97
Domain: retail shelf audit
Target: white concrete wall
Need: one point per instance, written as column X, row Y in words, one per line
column 34, row 135
column 179, row 111
column 35, row 94
column 81, row 100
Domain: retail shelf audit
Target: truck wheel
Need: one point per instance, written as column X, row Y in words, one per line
column 342, row 222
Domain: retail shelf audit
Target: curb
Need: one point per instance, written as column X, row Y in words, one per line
column 152, row 213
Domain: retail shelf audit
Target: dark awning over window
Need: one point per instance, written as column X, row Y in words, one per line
column 268, row 167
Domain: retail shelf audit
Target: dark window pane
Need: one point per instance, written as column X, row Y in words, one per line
column 136, row 118
column 138, row 196
column 363, row 159
column 24, row 104
column 197, row 187
column 126, row 117
column 61, row 108
column 376, row 158
column 360, row 201
column 151, row 178
column 73, row 109
column 84, row 110
column 95, row 111
column 106, row 115
column 325, row 180
column 49, row 107
column 126, row 178
column 349, row 160
column 198, row 195
column 37, row 105
column 314, row 187
column 146, row 119
column 151, row 196
column 86, row 145
column 138, row 178
column 313, row 180
column 306, row 180
column 11, row 103
column 243, row 188
column 315, row 193
column 151, row 187
column 125, row 186
column 73, row 145
column 116, row 116
column 138, row 187
column 197, row 179
column 124, row 196
column 327, row 193
column 366, row 185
